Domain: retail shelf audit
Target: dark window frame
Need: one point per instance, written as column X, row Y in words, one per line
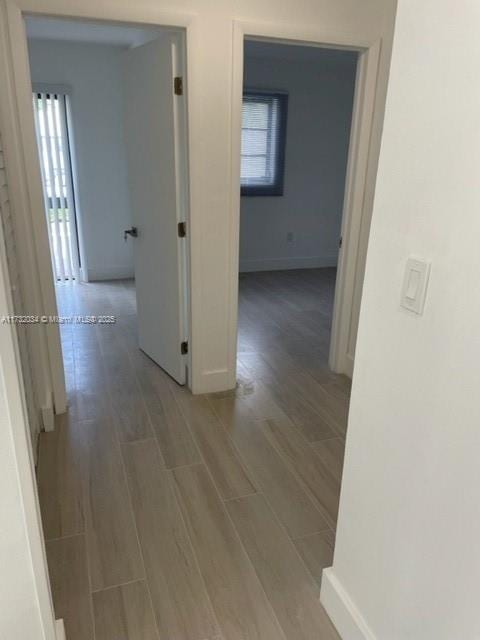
column 275, row 189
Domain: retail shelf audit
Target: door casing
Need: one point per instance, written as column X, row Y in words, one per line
column 21, row 151
column 356, row 210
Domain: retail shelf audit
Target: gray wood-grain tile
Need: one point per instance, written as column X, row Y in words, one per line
column 240, row 604
column 67, row 566
column 230, row 476
column 277, row 482
column 112, row 546
column 128, row 408
column 321, row 484
column 59, row 482
column 332, row 452
column 315, row 425
column 317, row 552
column 280, row 432
column 124, row 613
column 287, row 583
column 179, row 598
column 169, row 425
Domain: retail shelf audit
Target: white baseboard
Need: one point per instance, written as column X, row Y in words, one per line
column 342, row 611
column 48, row 418
column 349, row 362
column 110, row 273
column 213, row 381
column 277, row 264
column 60, row 629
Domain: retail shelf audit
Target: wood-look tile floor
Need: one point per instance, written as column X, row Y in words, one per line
column 169, row 516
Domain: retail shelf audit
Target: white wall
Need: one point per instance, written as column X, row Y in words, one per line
column 408, row 552
column 318, row 127
column 94, row 73
column 26, row 610
column 20, row 615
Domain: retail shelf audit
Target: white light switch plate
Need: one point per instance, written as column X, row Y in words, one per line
column 415, row 284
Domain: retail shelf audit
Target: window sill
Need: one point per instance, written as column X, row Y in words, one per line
column 253, row 192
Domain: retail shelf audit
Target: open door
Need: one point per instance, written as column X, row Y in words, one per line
column 154, row 148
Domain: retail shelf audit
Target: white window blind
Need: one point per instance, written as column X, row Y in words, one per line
column 263, row 142
column 52, row 138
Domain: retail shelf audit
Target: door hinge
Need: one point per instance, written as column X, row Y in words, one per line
column 178, row 86
column 182, row 229
column 184, row 348
column 340, row 242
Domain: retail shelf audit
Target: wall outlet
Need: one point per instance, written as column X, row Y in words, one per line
column 290, row 237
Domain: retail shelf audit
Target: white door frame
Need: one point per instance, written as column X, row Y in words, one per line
column 356, row 215
column 19, row 131
column 24, row 580
column 32, row 240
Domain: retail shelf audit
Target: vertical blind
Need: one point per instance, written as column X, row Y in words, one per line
column 52, row 138
column 263, row 141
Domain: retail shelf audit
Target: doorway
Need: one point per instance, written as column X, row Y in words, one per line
column 296, row 125
column 358, row 193
column 111, row 132
column 297, row 110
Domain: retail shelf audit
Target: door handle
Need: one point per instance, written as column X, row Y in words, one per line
column 133, row 231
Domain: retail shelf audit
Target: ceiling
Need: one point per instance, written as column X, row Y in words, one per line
column 94, row 32
column 297, row 53
column 42, row 28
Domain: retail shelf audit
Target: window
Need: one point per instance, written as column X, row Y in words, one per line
column 264, row 119
column 50, row 110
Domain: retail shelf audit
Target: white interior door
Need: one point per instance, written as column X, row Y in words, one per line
column 154, row 146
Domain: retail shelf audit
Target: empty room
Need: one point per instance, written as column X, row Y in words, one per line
column 296, row 124
column 101, row 128
column 238, row 320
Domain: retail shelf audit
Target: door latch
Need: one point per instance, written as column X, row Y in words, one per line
column 130, row 232
column 182, row 229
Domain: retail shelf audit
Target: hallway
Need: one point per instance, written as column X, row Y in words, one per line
column 187, row 517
